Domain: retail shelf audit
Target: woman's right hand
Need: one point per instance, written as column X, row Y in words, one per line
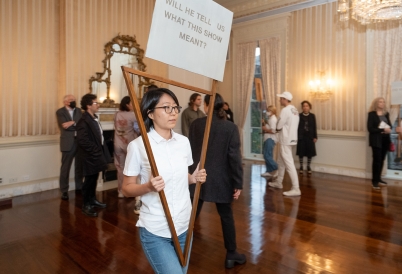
column 387, row 130
column 157, row 184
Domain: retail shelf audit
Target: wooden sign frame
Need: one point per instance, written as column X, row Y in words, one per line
column 183, row 256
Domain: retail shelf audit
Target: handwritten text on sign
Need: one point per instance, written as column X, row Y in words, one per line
column 191, row 34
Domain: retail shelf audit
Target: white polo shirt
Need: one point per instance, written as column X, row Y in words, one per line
column 172, row 159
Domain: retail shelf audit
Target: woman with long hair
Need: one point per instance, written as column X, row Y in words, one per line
column 379, row 128
column 172, row 152
column 224, row 165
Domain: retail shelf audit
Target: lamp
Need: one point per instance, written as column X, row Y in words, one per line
column 369, row 11
column 321, row 89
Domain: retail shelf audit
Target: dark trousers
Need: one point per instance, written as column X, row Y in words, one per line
column 227, row 222
column 66, row 161
column 89, row 189
column 378, row 162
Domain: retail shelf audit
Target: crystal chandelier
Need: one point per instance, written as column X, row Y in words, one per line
column 321, row 88
column 369, row 11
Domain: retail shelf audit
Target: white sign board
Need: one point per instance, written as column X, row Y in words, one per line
column 192, row 35
column 396, row 93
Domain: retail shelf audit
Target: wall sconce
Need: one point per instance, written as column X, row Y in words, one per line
column 321, row 89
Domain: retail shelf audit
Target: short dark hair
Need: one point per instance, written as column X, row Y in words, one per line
column 150, row 100
column 87, row 100
column 306, row 102
column 218, row 105
column 193, row 97
column 124, row 102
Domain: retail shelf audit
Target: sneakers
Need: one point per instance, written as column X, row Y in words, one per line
column 274, row 173
column 120, row 195
column 275, row 184
column 293, row 192
column 266, row 174
column 301, row 170
column 137, row 207
column 309, row 170
column 382, row 183
column 376, row 187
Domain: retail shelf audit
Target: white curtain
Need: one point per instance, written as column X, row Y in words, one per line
column 270, row 58
column 245, row 67
column 387, row 61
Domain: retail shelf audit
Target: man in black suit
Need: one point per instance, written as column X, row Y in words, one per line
column 67, row 117
column 92, row 150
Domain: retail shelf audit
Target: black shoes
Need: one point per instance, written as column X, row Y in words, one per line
column 89, row 211
column 376, row 187
column 64, row 196
column 233, row 258
column 98, row 204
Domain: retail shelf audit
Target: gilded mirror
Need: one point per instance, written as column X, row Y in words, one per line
column 109, row 85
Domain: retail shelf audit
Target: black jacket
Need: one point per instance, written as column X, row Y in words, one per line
column 223, row 163
column 312, row 127
column 375, row 134
column 90, row 145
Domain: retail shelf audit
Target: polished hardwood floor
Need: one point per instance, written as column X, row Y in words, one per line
column 338, row 225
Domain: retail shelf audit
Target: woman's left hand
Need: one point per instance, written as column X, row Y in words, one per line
column 236, row 193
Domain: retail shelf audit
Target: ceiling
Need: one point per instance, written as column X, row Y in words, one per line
column 227, row 3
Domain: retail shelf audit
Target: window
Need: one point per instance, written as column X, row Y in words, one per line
column 253, row 133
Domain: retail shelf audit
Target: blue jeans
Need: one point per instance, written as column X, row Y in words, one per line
column 161, row 254
column 269, row 145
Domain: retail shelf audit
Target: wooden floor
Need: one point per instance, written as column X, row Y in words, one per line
column 338, row 225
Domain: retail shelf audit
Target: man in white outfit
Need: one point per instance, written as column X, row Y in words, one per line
column 287, row 128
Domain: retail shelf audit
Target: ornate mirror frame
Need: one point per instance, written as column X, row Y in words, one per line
column 126, row 43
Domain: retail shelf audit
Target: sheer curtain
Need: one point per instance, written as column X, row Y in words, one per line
column 245, row 67
column 387, row 61
column 270, row 57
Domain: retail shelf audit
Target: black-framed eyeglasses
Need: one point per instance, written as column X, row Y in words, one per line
column 169, row 109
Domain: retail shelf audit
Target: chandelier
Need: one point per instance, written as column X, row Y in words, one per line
column 321, row 88
column 369, row 11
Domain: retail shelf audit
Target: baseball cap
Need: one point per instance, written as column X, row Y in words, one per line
column 287, row 95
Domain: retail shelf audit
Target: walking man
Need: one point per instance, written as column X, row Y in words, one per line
column 287, row 127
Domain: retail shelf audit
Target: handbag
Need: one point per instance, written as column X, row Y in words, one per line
column 391, row 147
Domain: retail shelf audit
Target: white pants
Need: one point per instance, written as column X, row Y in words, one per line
column 285, row 161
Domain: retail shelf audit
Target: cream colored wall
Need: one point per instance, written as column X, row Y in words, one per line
column 50, row 48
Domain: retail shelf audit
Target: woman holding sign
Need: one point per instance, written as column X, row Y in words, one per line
column 172, row 152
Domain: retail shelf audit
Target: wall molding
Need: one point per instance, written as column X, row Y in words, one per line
column 342, row 134
column 28, row 141
column 324, row 168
